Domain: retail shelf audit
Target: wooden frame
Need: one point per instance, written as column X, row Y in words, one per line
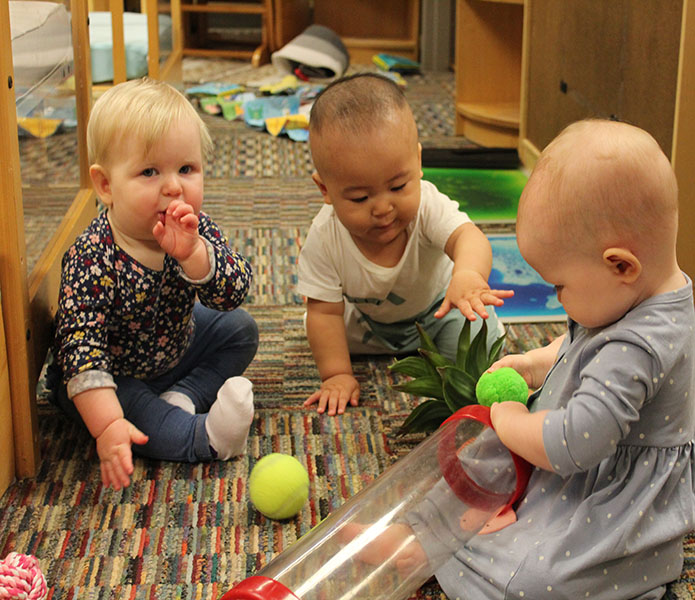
column 170, row 70
column 29, row 300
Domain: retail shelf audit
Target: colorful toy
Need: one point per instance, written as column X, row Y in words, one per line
column 278, row 486
column 388, row 539
column 501, row 385
column 21, row 577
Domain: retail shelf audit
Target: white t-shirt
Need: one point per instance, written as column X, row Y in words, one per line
column 332, row 268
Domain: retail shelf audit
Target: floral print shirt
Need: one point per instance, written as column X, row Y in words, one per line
column 118, row 317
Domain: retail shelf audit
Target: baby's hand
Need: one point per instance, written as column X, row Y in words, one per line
column 469, row 292
column 397, row 544
column 113, row 448
column 177, row 231
column 335, row 393
column 522, row 364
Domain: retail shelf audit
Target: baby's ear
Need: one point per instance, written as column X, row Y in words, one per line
column 622, row 263
column 322, row 186
column 100, row 181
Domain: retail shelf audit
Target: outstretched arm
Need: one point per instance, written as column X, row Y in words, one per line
column 326, row 332
column 468, row 290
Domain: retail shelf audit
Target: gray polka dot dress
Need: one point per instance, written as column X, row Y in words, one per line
column 609, row 522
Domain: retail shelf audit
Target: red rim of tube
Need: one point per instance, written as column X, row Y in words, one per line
column 259, row 588
column 455, row 475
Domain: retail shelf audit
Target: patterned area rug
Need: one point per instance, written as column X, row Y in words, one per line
column 188, row 531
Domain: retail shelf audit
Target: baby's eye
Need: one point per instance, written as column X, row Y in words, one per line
column 398, row 188
column 149, row 172
column 358, row 200
column 186, row 169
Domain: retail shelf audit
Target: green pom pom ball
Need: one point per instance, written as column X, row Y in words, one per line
column 500, row 386
column 278, row 486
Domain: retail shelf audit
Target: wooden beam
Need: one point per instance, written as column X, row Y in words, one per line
column 684, row 140
column 13, row 268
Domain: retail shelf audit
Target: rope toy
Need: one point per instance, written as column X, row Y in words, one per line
column 21, row 578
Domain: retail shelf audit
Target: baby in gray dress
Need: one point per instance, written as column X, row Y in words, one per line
column 610, row 427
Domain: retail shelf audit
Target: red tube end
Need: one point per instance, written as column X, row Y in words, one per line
column 259, row 588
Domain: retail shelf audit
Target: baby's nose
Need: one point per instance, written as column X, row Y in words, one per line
column 382, row 206
column 171, row 186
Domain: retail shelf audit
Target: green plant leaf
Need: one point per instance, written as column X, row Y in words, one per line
column 476, row 359
column 496, row 349
column 459, row 388
column 460, row 384
column 425, row 417
column 435, row 359
column 414, row 366
column 426, row 342
column 429, row 386
column 464, row 344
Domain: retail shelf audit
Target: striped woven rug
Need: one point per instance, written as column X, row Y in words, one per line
column 188, row 531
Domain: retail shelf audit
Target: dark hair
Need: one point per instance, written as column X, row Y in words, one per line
column 356, row 102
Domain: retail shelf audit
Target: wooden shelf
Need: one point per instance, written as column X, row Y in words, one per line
column 500, row 114
column 367, row 28
column 219, row 8
column 488, row 70
column 196, row 17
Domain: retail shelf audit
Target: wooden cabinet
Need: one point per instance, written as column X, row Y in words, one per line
column 634, row 61
column 279, row 21
column 488, row 70
column 367, row 27
column 197, row 17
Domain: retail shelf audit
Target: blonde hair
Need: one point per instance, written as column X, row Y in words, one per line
column 606, row 180
column 142, row 108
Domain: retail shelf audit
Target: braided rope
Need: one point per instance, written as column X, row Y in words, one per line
column 21, row 578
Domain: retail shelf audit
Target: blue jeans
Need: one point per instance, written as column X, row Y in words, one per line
column 223, row 345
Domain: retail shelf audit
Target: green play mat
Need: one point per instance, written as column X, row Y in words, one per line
column 487, row 195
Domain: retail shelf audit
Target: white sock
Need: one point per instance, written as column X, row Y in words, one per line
column 230, row 417
column 179, row 399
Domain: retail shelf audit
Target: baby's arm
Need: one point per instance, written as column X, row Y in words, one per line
column 103, row 416
column 326, row 333
column 178, row 237
column 518, row 429
column 468, row 289
column 521, row 431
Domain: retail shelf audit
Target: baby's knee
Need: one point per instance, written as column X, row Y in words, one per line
column 244, row 328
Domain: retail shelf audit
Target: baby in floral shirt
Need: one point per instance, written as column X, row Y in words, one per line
column 149, row 340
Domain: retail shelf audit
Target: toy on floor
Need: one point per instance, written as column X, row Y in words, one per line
column 388, row 539
column 278, row 486
column 21, row 578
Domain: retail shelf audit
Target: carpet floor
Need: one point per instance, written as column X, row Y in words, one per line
column 185, row 531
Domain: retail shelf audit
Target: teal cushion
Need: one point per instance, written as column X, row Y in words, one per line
column 135, row 39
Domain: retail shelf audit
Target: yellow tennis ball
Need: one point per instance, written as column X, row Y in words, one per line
column 278, row 486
